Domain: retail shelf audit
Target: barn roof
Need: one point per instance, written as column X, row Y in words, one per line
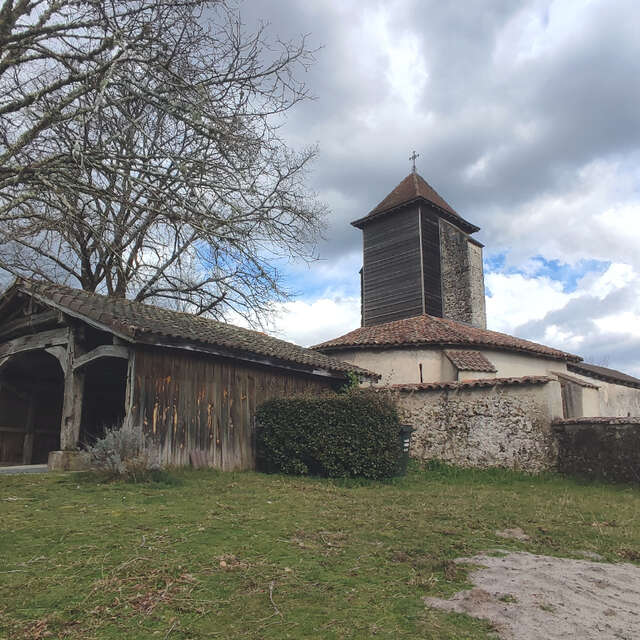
column 415, row 188
column 142, row 323
column 425, row 330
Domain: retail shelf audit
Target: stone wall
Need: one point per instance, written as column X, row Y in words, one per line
column 484, row 423
column 462, row 277
column 606, row 448
column 476, row 285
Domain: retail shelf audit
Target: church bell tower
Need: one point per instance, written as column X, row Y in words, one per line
column 419, row 258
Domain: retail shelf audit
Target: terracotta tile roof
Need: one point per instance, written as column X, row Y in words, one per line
column 598, row 420
column 429, row 330
column 415, row 187
column 464, row 360
column 603, row 373
column 466, row 384
column 139, row 322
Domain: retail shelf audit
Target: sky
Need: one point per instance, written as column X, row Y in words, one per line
column 526, row 116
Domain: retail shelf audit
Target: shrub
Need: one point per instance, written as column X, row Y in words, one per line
column 354, row 434
column 123, row 453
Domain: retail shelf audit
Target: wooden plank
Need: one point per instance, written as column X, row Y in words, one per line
column 28, row 324
column 431, row 261
column 41, row 340
column 212, row 400
column 103, row 351
column 392, row 272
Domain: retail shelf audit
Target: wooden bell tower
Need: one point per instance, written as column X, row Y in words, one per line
column 419, row 258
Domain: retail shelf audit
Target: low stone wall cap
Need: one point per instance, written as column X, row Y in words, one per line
column 598, row 420
column 466, row 384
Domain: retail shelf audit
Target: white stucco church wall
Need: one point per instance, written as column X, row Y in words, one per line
column 405, row 365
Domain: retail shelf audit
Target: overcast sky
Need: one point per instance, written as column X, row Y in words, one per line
column 526, row 116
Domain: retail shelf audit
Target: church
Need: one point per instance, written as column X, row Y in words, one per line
column 73, row 363
column 474, row 396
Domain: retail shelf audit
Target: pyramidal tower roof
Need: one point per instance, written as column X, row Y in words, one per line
column 415, row 188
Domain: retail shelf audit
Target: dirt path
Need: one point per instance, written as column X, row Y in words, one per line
column 531, row 597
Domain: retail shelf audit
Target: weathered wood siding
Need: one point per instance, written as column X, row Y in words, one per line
column 431, row 263
column 188, row 401
column 392, row 275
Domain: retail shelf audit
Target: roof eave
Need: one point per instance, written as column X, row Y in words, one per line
column 142, row 337
column 565, row 357
column 78, row 316
column 607, row 378
column 454, row 219
column 154, row 340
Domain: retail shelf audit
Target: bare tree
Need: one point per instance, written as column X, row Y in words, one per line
column 141, row 156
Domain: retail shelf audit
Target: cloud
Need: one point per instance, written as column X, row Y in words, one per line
column 525, row 117
column 599, row 320
column 308, row 323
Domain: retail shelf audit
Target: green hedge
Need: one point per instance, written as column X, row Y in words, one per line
column 355, row 434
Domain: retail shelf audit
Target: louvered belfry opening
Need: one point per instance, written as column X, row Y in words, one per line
column 419, row 258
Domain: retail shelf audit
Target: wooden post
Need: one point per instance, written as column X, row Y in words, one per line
column 129, row 401
column 30, row 428
column 73, row 392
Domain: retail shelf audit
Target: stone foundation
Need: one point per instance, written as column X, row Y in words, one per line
column 66, row 461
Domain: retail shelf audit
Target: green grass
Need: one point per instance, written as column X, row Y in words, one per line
column 245, row 555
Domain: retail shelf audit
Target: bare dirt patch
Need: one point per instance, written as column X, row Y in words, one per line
column 513, row 534
column 533, row 597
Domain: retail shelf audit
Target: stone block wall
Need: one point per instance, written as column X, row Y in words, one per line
column 462, row 277
column 476, row 285
column 485, row 423
column 606, row 448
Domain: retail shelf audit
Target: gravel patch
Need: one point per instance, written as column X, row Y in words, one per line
column 533, row 597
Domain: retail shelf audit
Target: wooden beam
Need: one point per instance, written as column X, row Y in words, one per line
column 272, row 363
column 61, row 354
column 129, row 396
column 72, row 399
column 29, row 324
column 41, row 340
column 103, row 351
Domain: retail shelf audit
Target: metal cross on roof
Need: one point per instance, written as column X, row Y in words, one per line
column 413, row 157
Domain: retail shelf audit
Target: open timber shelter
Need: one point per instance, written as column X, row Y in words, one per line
column 73, row 364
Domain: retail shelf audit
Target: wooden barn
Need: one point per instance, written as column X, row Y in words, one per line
column 73, row 363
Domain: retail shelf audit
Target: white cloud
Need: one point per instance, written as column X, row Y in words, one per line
column 517, row 299
column 308, row 323
column 599, row 315
column 595, row 216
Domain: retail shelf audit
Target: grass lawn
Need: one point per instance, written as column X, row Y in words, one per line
column 245, row 555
